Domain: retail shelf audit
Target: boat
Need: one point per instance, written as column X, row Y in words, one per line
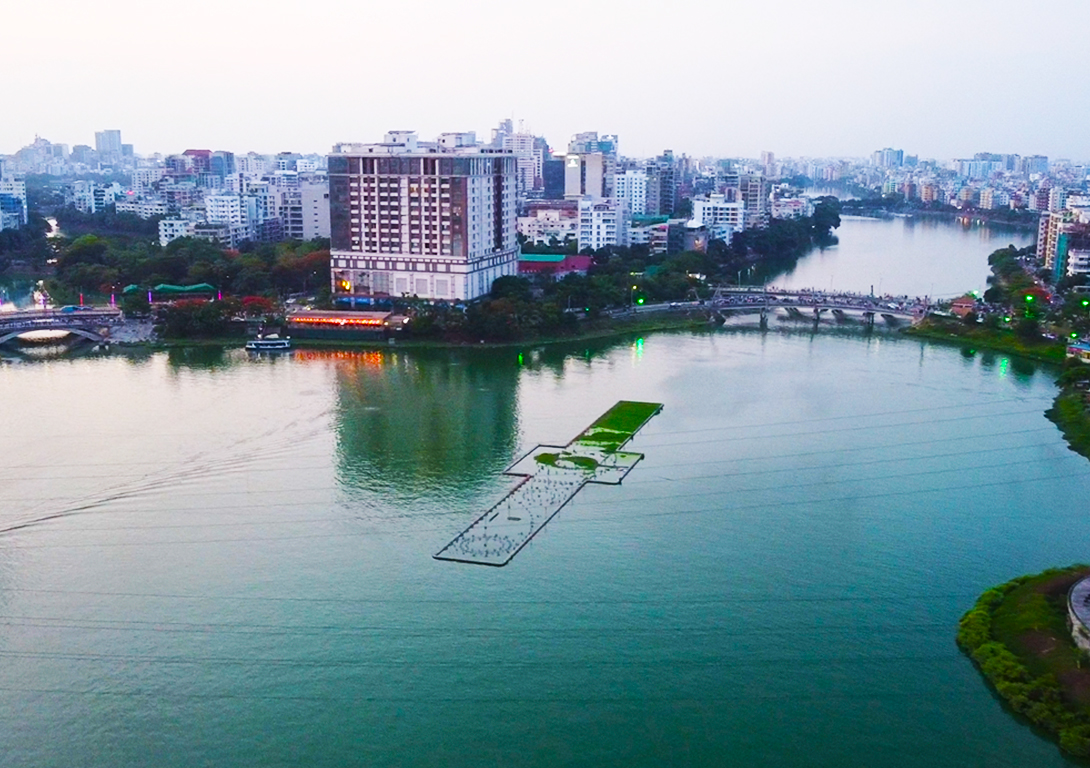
column 269, row 343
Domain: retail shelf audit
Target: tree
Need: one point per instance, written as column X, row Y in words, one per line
column 511, row 287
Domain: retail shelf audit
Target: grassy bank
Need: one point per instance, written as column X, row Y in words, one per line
column 1017, row 636
column 1045, row 351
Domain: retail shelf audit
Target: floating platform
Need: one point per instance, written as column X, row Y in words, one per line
column 553, row 475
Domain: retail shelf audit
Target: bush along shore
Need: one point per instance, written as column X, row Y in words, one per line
column 984, row 337
column 1018, row 636
column 1070, row 410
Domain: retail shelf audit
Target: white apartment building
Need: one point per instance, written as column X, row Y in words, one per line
column 602, row 222
column 436, row 220
column 145, row 209
column 224, row 209
column 528, row 160
column 1078, row 262
column 172, row 229
column 791, row 207
column 144, row 178
column 722, row 218
column 631, row 187
column 1057, row 199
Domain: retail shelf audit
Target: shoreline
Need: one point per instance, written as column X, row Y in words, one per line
column 977, row 217
column 596, row 334
column 983, row 338
column 1017, row 637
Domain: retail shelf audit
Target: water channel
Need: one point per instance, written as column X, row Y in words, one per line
column 213, row 559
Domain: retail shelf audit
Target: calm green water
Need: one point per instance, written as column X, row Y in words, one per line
column 218, row 560
column 232, row 564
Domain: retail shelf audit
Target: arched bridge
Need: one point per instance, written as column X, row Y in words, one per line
column 86, row 322
column 811, row 304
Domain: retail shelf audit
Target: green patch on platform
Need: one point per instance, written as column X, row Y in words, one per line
column 618, row 425
column 565, row 460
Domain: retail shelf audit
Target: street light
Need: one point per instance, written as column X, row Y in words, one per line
column 630, row 294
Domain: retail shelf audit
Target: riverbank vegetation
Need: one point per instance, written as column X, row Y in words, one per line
column 1017, row 635
column 1070, row 410
column 101, row 265
column 1024, row 340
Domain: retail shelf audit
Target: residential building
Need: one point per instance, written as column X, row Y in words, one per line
column 172, row 229
column 225, row 209
column 655, row 234
column 662, row 185
column 304, row 211
column 1078, row 262
column 13, row 204
column 631, row 187
column 145, row 209
column 791, row 207
column 435, row 220
column 549, row 222
column 1057, row 199
column 721, row 216
column 602, row 222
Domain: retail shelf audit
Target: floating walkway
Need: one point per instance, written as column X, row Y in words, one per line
column 552, row 476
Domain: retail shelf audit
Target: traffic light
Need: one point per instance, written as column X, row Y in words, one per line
column 1086, row 302
column 639, row 300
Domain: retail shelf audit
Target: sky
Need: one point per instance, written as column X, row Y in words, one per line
column 836, row 78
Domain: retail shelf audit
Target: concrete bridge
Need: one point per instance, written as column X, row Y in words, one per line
column 90, row 323
column 812, row 304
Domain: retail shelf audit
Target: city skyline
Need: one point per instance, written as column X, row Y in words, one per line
column 833, row 80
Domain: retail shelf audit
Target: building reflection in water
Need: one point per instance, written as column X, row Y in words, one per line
column 423, row 421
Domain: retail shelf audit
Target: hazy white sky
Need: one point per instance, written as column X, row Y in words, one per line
column 941, row 78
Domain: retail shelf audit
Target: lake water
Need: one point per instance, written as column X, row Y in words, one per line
column 213, row 559
column 919, row 256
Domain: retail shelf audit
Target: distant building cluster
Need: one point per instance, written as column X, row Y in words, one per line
column 443, row 219
column 213, row 195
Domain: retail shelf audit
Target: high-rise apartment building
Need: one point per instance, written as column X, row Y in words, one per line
column 108, row 146
column 662, row 185
column 631, row 188
column 436, row 220
column 602, row 222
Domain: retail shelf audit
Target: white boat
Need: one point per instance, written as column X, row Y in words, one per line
column 268, row 343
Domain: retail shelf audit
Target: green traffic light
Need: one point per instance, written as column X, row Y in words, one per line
column 1086, row 302
column 1028, row 297
column 639, row 301
column 1074, row 335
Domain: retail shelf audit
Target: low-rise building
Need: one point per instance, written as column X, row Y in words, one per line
column 549, row 221
column 557, row 265
column 172, row 229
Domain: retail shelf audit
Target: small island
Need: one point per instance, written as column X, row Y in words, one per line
column 1030, row 640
